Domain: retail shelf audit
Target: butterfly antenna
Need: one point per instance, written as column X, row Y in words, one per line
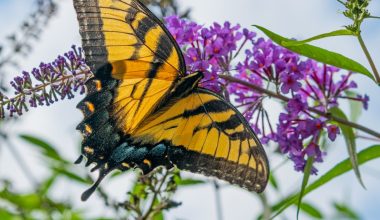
column 86, row 194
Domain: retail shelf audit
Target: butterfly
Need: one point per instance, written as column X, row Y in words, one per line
column 143, row 111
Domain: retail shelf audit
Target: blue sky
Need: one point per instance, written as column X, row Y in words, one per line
column 291, row 18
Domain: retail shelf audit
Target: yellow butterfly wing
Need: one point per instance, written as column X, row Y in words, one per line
column 208, row 135
column 122, row 40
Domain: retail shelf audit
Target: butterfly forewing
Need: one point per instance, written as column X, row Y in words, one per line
column 140, row 54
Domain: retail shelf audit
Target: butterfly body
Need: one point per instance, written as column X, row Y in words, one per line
column 143, row 111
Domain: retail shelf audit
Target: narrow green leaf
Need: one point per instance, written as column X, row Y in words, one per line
column 45, row 186
column 311, row 210
column 273, row 181
column 189, row 182
column 368, row 154
column 70, row 175
column 319, row 54
column 343, row 32
column 305, row 180
column 346, row 211
column 47, row 149
column 349, row 137
column 356, row 107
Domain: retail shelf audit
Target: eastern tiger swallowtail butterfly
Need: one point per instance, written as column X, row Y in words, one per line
column 143, row 111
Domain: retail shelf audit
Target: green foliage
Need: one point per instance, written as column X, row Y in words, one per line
column 311, row 210
column 305, row 180
column 349, row 137
column 273, row 181
column 344, row 211
column 368, row 154
column 32, row 205
column 317, row 53
column 151, row 195
column 45, row 148
column 356, row 108
column 342, row 32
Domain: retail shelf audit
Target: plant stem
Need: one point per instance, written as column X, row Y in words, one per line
column 369, row 58
column 20, row 161
column 156, row 192
column 311, row 109
column 267, row 208
column 218, row 201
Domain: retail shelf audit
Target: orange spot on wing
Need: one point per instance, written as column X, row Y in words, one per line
column 98, row 85
column 90, row 106
column 147, row 162
column 88, row 150
column 88, row 129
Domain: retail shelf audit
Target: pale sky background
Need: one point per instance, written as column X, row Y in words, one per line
column 292, row 18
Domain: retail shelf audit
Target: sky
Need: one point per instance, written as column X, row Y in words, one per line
column 291, row 18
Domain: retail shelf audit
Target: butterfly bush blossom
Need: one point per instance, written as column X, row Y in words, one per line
column 47, row 84
column 307, row 87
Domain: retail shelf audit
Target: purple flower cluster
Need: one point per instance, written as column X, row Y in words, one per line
column 46, row 84
column 308, row 87
column 209, row 50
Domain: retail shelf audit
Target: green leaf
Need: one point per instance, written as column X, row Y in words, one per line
column 368, row 154
column 311, row 210
column 273, row 181
column 70, row 175
column 159, row 216
column 305, row 180
column 47, row 149
column 349, row 137
column 138, row 192
column 46, row 185
column 27, row 202
column 356, row 107
column 189, row 182
column 6, row 215
column 319, row 54
column 346, row 211
column 343, row 32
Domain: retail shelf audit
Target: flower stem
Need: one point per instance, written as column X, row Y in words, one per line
column 151, row 211
column 311, row 109
column 369, row 58
column 218, row 201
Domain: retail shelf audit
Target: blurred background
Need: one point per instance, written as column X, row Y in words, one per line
column 56, row 124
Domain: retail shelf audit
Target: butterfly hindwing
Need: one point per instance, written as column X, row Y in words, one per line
column 208, row 135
